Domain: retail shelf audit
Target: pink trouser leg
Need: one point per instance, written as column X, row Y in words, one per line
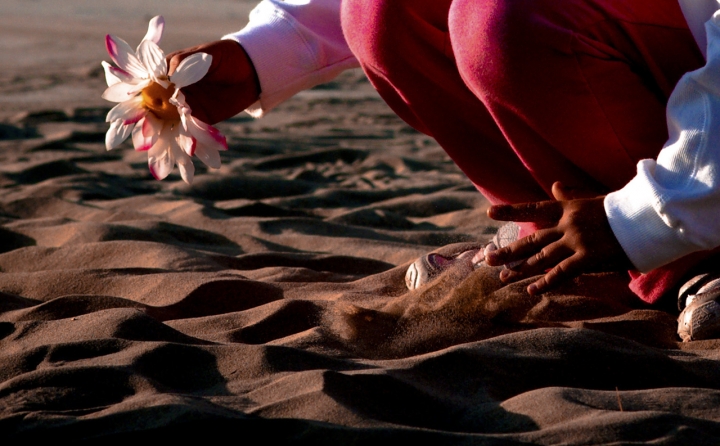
column 523, row 93
column 404, row 47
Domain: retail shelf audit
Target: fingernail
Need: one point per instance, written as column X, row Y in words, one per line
column 504, row 274
column 532, row 289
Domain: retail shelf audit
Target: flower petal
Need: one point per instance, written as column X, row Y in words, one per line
column 209, row 141
column 185, row 165
column 129, row 112
column 186, row 142
column 191, row 70
column 210, row 157
column 153, row 58
column 152, row 126
column 155, row 29
column 206, row 135
column 113, row 75
column 160, row 159
column 124, row 57
column 160, row 168
column 123, row 91
column 141, row 142
column 117, row 133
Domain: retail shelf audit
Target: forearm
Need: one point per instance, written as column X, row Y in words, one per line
column 672, row 207
column 696, row 13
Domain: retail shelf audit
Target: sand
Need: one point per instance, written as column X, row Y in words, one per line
column 266, row 302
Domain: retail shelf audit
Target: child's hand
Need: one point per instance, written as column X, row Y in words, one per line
column 229, row 87
column 577, row 239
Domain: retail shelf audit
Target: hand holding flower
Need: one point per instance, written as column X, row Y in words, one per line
column 230, row 85
column 153, row 109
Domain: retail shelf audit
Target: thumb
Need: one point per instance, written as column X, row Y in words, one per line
column 173, row 59
column 562, row 192
column 559, row 192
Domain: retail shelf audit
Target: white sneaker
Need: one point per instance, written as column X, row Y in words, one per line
column 700, row 316
column 428, row 267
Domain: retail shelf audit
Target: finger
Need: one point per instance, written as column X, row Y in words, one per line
column 174, row 58
column 539, row 212
column 563, row 192
column 545, row 259
column 173, row 63
column 510, row 276
column 565, row 270
column 548, row 257
column 523, row 248
column 559, row 192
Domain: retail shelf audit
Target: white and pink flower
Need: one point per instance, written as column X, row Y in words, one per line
column 152, row 108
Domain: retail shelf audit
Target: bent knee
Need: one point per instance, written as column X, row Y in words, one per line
column 378, row 31
column 363, row 23
column 497, row 39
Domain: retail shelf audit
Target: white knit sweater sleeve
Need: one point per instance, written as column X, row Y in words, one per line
column 294, row 45
column 671, row 208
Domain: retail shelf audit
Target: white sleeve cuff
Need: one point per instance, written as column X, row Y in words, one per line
column 672, row 207
column 647, row 239
column 293, row 50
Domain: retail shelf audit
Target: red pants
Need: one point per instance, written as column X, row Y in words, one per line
column 523, row 93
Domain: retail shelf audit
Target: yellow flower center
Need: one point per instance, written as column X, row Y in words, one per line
column 156, row 99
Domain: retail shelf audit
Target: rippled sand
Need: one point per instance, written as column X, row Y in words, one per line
column 267, row 300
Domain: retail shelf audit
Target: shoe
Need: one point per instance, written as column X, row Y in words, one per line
column 428, row 267
column 700, row 310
